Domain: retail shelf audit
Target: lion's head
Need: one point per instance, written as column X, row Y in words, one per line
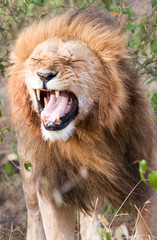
column 70, row 67
column 59, row 76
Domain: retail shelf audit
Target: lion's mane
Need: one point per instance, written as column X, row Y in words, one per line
column 117, row 132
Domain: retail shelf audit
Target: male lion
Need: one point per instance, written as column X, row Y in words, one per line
column 82, row 121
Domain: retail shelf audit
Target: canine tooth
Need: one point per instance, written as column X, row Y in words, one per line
column 57, row 94
column 46, row 101
column 43, row 118
column 68, row 107
column 58, row 118
column 70, row 102
column 38, row 94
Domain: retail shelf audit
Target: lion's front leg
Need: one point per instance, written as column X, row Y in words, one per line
column 58, row 222
column 35, row 230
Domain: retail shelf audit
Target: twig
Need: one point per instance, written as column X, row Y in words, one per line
column 143, row 66
column 116, row 5
column 140, row 216
column 93, row 215
column 10, row 11
column 116, row 214
column 11, row 231
column 5, row 55
column 18, row 229
column 15, row 165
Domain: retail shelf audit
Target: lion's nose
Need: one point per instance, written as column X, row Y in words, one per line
column 45, row 77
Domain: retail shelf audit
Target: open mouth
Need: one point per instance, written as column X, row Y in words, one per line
column 57, row 108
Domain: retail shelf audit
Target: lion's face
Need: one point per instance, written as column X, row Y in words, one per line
column 68, row 73
column 61, row 79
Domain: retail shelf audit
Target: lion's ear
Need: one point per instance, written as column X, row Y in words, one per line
column 112, row 101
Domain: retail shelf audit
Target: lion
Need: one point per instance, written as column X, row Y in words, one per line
column 82, row 121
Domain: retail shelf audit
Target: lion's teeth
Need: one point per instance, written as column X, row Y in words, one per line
column 38, row 94
column 58, row 118
column 57, row 94
column 70, row 102
column 43, row 118
column 68, row 107
column 46, row 101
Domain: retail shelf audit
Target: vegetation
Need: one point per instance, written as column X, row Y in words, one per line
column 16, row 14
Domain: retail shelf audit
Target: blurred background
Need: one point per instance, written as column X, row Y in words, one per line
column 139, row 20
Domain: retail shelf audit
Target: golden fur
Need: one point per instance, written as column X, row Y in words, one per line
column 112, row 130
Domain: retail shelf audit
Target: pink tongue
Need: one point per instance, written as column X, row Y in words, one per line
column 56, row 106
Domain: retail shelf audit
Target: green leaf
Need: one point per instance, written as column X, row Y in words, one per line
column 9, row 168
column 143, row 22
column 128, row 11
column 1, row 139
column 131, row 27
column 38, row 4
column 153, row 179
column 142, row 170
column 148, row 94
column 155, row 19
column 113, row 8
column 112, row 210
column 154, row 98
column 144, row 53
column 100, row 231
column 20, row 10
column 2, row 68
column 143, row 166
column 154, row 101
column 0, row 113
column 137, row 43
column 28, row 166
column 8, row 129
column 154, row 55
column 120, row 12
column 107, row 3
column 2, row 131
column 154, row 46
column 147, row 61
column 61, row 2
column 107, row 236
column 105, row 209
column 154, row 3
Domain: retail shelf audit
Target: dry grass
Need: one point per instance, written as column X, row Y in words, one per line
column 12, row 210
